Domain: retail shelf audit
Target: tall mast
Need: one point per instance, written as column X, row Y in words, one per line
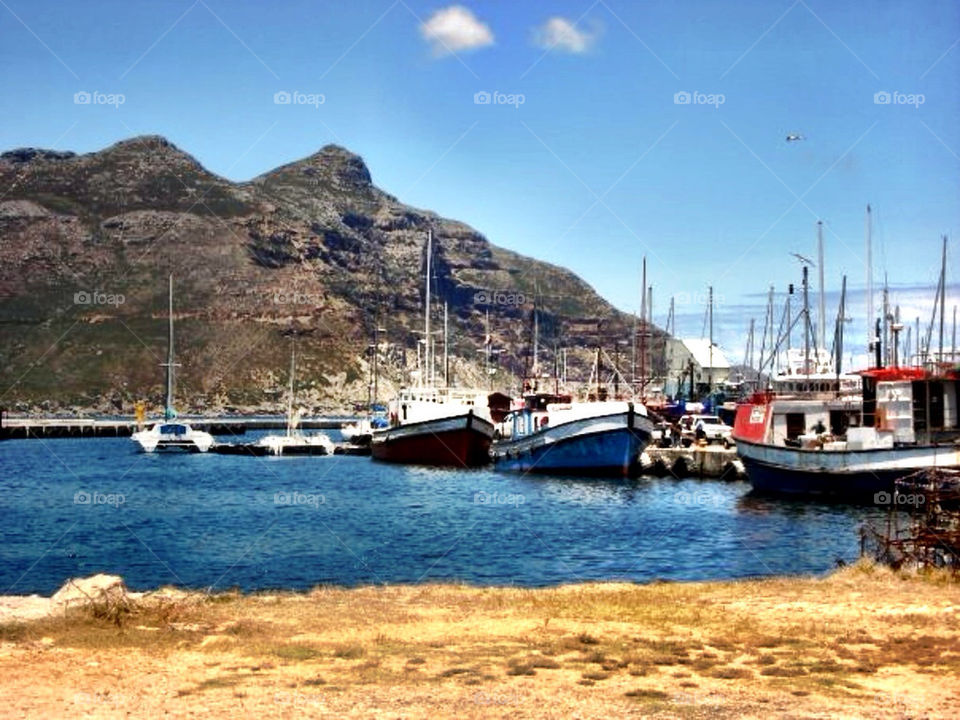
column 643, row 329
column 943, row 291
column 806, row 321
column 886, row 321
column 869, row 230
column 841, row 321
column 649, row 324
column 168, row 412
column 822, row 310
column 426, row 313
column 773, row 344
column 446, row 356
column 536, row 339
column 710, row 370
column 293, row 370
column 486, row 348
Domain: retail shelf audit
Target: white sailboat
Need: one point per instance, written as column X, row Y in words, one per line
column 171, row 434
column 294, row 441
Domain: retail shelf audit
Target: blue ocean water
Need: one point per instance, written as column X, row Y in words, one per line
column 74, row 507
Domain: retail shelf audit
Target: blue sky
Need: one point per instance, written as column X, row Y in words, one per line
column 597, row 167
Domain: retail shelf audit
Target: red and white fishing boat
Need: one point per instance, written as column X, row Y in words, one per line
column 907, row 420
column 431, row 425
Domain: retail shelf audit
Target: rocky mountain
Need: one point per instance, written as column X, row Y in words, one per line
column 311, row 250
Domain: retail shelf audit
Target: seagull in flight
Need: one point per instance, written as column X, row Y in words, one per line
column 794, row 137
column 802, row 259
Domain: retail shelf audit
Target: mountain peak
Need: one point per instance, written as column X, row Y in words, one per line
column 344, row 168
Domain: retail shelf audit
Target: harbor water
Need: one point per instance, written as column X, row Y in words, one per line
column 75, row 507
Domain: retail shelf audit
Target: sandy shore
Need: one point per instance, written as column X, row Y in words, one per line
column 862, row 643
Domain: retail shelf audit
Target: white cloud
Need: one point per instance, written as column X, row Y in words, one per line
column 455, row 28
column 558, row 33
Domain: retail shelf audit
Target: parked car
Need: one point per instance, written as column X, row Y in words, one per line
column 709, row 427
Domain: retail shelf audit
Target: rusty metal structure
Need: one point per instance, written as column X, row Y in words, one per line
column 922, row 526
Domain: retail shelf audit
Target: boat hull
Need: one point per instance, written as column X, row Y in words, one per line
column 460, row 441
column 607, row 446
column 844, row 474
column 184, row 440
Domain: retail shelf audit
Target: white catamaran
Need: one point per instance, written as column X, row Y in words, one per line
column 294, row 441
column 171, row 434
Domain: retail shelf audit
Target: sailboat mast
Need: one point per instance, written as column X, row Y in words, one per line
column 869, row 230
column 426, row 314
column 943, row 291
column 446, row 356
column 806, row 321
column 293, row 370
column 710, row 369
column 643, row 328
column 822, row 309
column 168, row 411
column 886, row 321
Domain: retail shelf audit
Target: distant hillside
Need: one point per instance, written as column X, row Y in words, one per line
column 312, row 248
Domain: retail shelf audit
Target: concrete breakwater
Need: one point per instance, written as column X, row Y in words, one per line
column 90, row 427
column 710, row 461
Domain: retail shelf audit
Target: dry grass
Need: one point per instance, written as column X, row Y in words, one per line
column 864, row 642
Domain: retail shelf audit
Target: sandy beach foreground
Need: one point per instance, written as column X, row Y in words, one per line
column 863, row 642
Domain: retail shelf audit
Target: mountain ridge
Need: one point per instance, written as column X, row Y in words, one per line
column 311, row 249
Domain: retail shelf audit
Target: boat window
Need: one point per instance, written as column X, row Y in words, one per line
column 796, row 425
